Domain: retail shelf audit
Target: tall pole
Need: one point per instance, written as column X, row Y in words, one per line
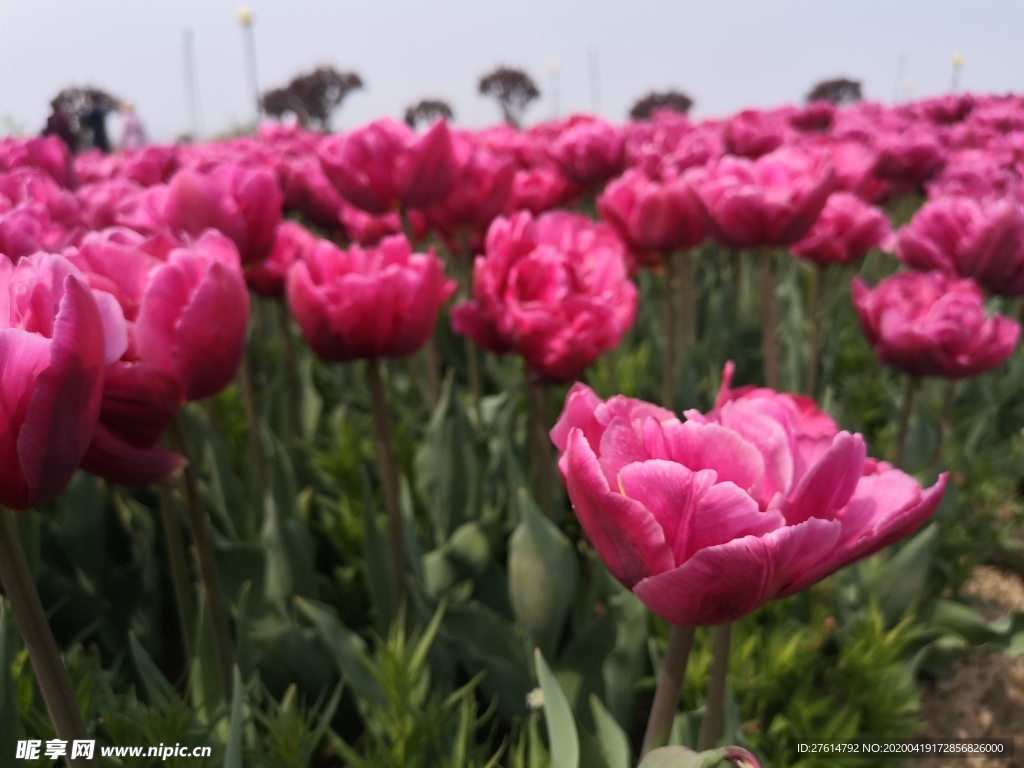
column 958, row 63
column 595, row 81
column 554, row 71
column 245, row 18
column 900, row 70
column 190, row 86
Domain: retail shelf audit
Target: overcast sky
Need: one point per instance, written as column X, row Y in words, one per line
column 727, row 54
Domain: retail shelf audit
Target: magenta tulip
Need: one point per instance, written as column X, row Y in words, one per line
column 910, row 157
column 291, row 243
column 933, row 324
column 970, row 238
column 538, row 189
column 706, row 520
column 846, row 230
column 772, row 201
column 654, row 218
column 589, row 151
column 480, row 192
column 242, row 202
column 553, row 289
column 56, row 337
column 753, row 133
column 367, row 303
column 385, row 165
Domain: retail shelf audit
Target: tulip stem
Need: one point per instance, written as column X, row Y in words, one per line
column 687, row 303
column 181, row 581
column 670, row 684
column 259, row 459
column 473, row 363
column 389, row 478
column 668, row 381
column 433, row 375
column 766, row 284
column 945, row 422
column 540, row 412
column 291, row 371
column 52, row 676
column 814, row 337
column 199, row 525
column 711, row 725
column 909, row 390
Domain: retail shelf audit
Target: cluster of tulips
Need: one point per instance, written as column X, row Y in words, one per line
column 125, row 294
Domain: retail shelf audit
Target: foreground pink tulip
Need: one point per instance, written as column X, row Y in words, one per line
column 187, row 309
column 933, row 324
column 367, row 303
column 772, row 201
column 56, row 337
column 655, row 218
column 240, row 201
column 385, row 165
column 706, row 520
column 969, row 238
column 846, row 230
column 553, row 289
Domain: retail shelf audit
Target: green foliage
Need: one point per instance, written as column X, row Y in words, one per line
column 326, row 677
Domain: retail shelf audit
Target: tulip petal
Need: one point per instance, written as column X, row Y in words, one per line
column 625, row 535
column 118, row 461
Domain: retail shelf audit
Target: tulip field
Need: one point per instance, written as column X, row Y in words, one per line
column 668, row 443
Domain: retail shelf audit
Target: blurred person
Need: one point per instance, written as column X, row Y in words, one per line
column 96, row 121
column 133, row 135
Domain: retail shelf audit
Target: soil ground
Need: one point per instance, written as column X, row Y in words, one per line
column 984, row 694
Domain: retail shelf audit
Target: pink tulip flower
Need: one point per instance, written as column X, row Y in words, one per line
column 932, row 324
column 56, row 337
column 367, row 303
column 772, row 201
column 910, row 157
column 846, row 230
column 385, row 165
column 706, row 520
column 291, row 244
column 753, row 133
column 589, row 151
column 969, row 238
column 654, row 218
column 553, row 289
column 242, row 202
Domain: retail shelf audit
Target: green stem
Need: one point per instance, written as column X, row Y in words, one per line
column 687, row 303
column 389, row 478
column 766, row 285
column 259, row 459
column 814, row 336
column 711, row 725
column 909, row 390
column 52, row 676
column 540, row 410
column 670, row 684
column 181, row 581
column 668, row 381
column 945, row 422
column 291, row 370
column 199, row 525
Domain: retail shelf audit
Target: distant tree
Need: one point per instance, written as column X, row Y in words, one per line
column 514, row 90
column 839, row 91
column 427, row 111
column 312, row 96
column 654, row 101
